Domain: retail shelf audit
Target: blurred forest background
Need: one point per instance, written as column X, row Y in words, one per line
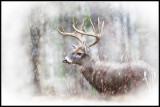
column 127, row 36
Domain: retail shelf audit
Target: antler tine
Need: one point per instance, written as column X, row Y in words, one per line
column 102, row 28
column 75, row 30
column 73, row 20
column 92, row 26
column 62, row 28
column 73, row 24
column 59, row 31
column 84, row 25
column 98, row 25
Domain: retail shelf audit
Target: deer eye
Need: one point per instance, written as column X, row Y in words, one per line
column 79, row 54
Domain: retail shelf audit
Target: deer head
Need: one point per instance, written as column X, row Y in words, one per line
column 81, row 53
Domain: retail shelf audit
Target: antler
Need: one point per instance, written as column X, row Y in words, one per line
column 97, row 36
column 70, row 34
column 84, row 32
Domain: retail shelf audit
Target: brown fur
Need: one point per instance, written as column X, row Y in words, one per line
column 119, row 78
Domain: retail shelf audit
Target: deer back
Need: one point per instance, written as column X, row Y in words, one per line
column 116, row 79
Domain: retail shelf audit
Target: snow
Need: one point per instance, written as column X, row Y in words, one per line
column 17, row 87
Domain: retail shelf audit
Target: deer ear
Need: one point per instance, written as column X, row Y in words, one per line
column 87, row 49
column 74, row 46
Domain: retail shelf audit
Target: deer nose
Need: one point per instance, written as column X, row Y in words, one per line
column 64, row 61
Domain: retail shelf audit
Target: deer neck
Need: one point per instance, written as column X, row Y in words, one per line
column 88, row 63
column 88, row 69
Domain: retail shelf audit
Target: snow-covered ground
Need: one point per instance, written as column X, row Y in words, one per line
column 16, row 99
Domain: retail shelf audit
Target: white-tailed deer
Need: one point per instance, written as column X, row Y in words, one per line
column 107, row 78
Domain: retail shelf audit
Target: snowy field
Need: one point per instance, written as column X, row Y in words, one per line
column 16, row 99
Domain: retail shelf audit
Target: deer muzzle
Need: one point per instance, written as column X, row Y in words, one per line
column 67, row 60
column 64, row 61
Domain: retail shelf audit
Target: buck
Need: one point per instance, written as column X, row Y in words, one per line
column 106, row 78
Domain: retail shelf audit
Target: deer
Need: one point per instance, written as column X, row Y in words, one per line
column 107, row 78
